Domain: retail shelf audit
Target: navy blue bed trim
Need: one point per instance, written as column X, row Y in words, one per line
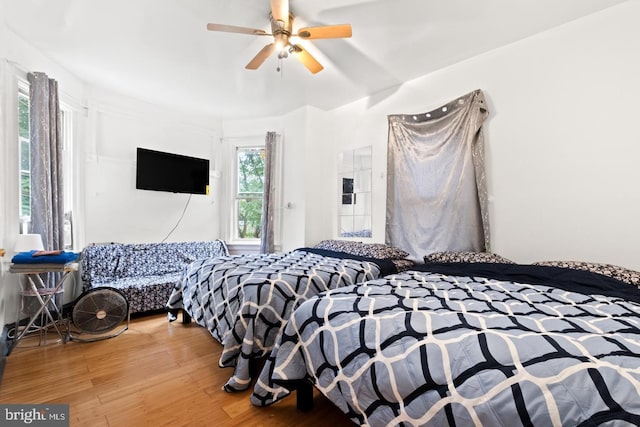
column 579, row 281
column 386, row 265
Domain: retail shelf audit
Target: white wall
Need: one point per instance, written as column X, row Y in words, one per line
column 574, row 181
column 562, row 138
column 321, row 174
column 114, row 210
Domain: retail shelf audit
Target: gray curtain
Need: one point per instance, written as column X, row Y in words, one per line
column 268, row 201
column 436, row 187
column 47, row 210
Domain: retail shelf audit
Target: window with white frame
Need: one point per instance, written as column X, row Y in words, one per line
column 249, row 189
column 66, row 121
column 24, row 141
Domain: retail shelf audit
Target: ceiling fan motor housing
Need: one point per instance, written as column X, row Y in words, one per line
column 281, row 30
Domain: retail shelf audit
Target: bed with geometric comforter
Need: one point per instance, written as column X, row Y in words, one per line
column 245, row 300
column 467, row 345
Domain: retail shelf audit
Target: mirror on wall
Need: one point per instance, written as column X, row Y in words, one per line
column 354, row 200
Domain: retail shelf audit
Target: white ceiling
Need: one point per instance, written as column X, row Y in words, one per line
column 159, row 51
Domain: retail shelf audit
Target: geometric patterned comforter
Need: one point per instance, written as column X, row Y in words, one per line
column 245, row 300
column 468, row 345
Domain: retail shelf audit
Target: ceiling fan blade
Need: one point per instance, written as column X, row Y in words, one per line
column 261, row 56
column 235, row 29
column 307, row 60
column 325, row 32
column 280, row 10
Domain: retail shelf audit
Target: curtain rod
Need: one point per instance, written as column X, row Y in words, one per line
column 75, row 102
column 262, row 135
column 17, row 65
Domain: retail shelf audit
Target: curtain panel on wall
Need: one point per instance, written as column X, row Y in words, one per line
column 268, row 201
column 436, row 186
column 47, row 211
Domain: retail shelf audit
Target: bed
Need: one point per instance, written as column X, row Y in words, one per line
column 467, row 344
column 245, row 300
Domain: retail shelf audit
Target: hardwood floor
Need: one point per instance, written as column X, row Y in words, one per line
column 156, row 373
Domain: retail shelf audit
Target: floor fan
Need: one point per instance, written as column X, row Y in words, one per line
column 97, row 312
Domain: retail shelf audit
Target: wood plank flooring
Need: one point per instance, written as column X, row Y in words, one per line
column 156, row 373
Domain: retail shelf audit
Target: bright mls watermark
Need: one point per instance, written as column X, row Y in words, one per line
column 54, row 415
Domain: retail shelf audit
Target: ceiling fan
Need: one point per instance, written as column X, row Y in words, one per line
column 281, row 30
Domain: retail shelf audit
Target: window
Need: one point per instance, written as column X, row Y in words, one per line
column 66, row 132
column 24, row 141
column 25, row 157
column 249, row 192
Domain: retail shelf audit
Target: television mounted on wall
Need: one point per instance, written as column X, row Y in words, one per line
column 175, row 173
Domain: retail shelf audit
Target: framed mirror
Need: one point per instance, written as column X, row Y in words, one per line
column 354, row 190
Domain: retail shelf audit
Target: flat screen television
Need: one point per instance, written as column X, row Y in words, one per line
column 175, row 173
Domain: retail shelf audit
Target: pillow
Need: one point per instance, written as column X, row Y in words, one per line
column 403, row 264
column 614, row 271
column 465, row 256
column 371, row 250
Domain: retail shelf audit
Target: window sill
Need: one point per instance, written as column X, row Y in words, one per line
column 236, row 248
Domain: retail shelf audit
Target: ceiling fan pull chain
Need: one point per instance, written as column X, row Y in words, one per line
column 280, row 66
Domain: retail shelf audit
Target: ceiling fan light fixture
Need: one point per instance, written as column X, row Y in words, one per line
column 284, row 53
column 281, row 41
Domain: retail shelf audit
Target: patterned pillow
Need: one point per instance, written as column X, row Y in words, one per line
column 403, row 264
column 465, row 256
column 616, row 272
column 371, row 250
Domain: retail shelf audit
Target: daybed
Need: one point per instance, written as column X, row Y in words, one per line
column 146, row 273
column 468, row 343
column 245, row 300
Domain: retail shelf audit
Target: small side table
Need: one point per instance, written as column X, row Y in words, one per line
column 44, row 295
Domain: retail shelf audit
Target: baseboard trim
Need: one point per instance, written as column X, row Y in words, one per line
column 3, row 363
column 4, row 351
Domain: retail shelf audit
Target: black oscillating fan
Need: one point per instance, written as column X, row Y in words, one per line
column 97, row 312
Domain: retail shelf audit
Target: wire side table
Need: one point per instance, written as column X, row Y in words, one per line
column 47, row 309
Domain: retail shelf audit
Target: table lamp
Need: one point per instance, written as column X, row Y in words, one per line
column 28, row 242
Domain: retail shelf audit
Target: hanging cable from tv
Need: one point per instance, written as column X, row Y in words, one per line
column 179, row 220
